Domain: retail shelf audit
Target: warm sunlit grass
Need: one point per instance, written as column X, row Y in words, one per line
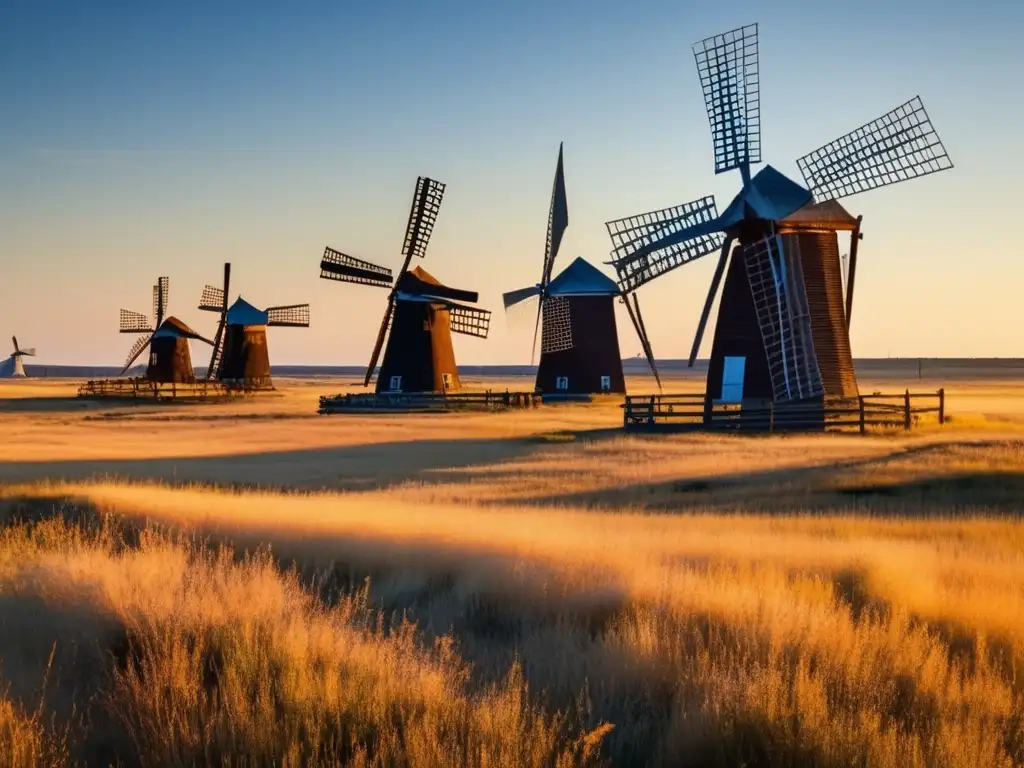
column 542, row 588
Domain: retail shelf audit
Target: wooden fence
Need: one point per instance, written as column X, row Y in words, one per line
column 144, row 389
column 427, row 401
column 699, row 412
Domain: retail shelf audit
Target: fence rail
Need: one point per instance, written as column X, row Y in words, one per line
column 700, row 412
column 356, row 402
column 144, row 389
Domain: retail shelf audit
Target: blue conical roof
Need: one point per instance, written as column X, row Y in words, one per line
column 244, row 313
column 581, row 278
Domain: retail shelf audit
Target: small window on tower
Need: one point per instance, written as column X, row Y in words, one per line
column 562, row 383
column 606, row 383
column 446, row 380
column 396, row 383
column 152, row 358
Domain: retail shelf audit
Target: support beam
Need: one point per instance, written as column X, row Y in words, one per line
column 855, row 239
column 641, row 332
column 716, row 281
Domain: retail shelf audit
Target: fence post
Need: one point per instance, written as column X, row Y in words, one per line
column 906, row 410
column 625, row 413
column 863, row 426
column 942, row 405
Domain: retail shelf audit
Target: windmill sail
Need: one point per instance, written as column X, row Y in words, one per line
column 137, row 349
column 558, row 220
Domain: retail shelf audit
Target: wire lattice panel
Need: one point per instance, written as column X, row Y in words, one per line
column 161, row 294
column 899, row 145
column 640, row 252
column 294, row 315
column 470, row 321
column 426, row 204
column 556, row 331
column 212, row 299
column 140, row 344
column 728, row 68
column 134, row 322
column 336, row 265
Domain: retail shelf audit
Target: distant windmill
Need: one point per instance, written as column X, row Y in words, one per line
column 12, row 367
column 421, row 313
column 783, row 321
column 240, row 354
column 575, row 314
column 166, row 338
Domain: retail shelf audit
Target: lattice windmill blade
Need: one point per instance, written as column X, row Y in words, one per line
column 15, row 340
column 336, row 265
column 30, row 352
column 426, row 203
column 728, row 68
column 212, row 299
column 161, row 294
column 137, row 349
column 290, row 316
column 381, row 335
column 650, row 244
column 558, row 221
column 134, row 322
column 469, row 321
column 898, row 146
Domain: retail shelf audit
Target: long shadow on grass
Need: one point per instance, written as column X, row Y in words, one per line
column 840, row 486
column 350, row 468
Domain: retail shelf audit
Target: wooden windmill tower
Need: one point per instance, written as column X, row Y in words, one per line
column 13, row 367
column 240, row 356
column 575, row 314
column 166, row 338
column 783, row 321
column 421, row 313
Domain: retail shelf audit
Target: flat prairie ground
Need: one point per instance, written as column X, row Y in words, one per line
column 251, row 583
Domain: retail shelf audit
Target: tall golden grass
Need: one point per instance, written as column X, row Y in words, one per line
column 525, row 592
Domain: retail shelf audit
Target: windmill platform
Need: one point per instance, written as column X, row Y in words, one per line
column 156, row 391
column 427, row 402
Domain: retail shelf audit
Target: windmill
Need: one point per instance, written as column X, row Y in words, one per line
column 166, row 337
column 783, row 320
column 421, row 313
column 240, row 355
column 575, row 315
column 13, row 367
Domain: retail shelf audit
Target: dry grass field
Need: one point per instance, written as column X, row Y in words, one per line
column 249, row 583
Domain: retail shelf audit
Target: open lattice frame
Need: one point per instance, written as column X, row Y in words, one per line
column 470, row 321
column 636, row 255
column 728, row 68
column 293, row 315
column 898, row 146
column 426, row 204
column 336, row 265
column 212, row 299
column 134, row 322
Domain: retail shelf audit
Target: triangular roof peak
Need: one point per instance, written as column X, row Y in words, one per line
column 581, row 278
column 172, row 326
column 244, row 313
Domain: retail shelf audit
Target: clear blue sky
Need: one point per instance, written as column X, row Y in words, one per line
column 145, row 139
